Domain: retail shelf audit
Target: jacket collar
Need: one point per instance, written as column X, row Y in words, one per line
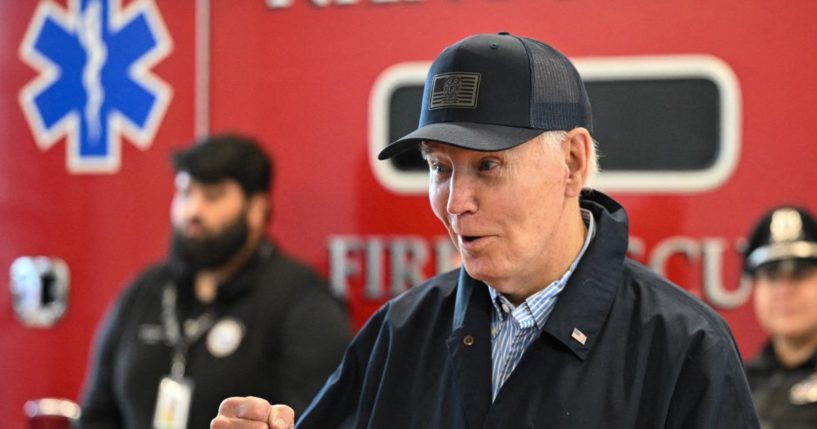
column 231, row 288
column 588, row 296
column 579, row 316
column 767, row 361
column 242, row 281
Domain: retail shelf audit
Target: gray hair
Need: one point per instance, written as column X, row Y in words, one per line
column 553, row 140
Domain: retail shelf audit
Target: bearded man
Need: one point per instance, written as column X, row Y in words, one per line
column 227, row 313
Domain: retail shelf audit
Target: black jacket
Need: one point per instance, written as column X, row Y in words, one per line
column 771, row 385
column 654, row 356
column 294, row 336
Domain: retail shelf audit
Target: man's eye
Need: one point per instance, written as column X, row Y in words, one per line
column 438, row 168
column 213, row 194
column 802, row 272
column 487, row 164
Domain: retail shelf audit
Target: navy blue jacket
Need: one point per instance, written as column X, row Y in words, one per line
column 772, row 382
column 654, row 356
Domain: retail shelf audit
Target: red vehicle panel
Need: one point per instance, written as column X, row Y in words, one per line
column 304, row 76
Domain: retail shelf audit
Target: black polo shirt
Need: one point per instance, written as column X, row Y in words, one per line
column 294, row 334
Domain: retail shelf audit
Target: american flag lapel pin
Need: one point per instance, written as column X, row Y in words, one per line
column 579, row 336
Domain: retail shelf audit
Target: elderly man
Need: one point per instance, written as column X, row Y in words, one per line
column 547, row 324
column 781, row 260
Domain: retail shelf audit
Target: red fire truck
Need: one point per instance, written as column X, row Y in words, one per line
column 702, row 112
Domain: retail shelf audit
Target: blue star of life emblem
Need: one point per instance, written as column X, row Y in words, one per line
column 94, row 84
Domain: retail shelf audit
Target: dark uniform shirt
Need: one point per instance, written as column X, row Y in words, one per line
column 623, row 348
column 293, row 334
column 771, row 385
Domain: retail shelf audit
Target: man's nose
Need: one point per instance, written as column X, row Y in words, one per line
column 461, row 194
column 191, row 206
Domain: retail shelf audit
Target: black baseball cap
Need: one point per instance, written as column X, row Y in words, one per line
column 786, row 233
column 491, row 92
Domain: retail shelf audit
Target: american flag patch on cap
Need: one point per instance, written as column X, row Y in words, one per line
column 454, row 90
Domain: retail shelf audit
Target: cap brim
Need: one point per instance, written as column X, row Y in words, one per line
column 781, row 251
column 468, row 135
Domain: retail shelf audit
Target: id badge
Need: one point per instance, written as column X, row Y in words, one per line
column 173, row 403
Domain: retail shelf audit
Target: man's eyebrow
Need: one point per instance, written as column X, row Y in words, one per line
column 425, row 150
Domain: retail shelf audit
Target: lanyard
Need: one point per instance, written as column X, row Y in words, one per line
column 193, row 330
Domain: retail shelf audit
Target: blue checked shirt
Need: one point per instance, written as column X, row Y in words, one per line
column 510, row 336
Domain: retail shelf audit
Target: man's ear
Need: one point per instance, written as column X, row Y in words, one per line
column 577, row 158
column 258, row 212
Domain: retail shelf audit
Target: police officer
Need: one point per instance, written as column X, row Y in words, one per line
column 781, row 259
